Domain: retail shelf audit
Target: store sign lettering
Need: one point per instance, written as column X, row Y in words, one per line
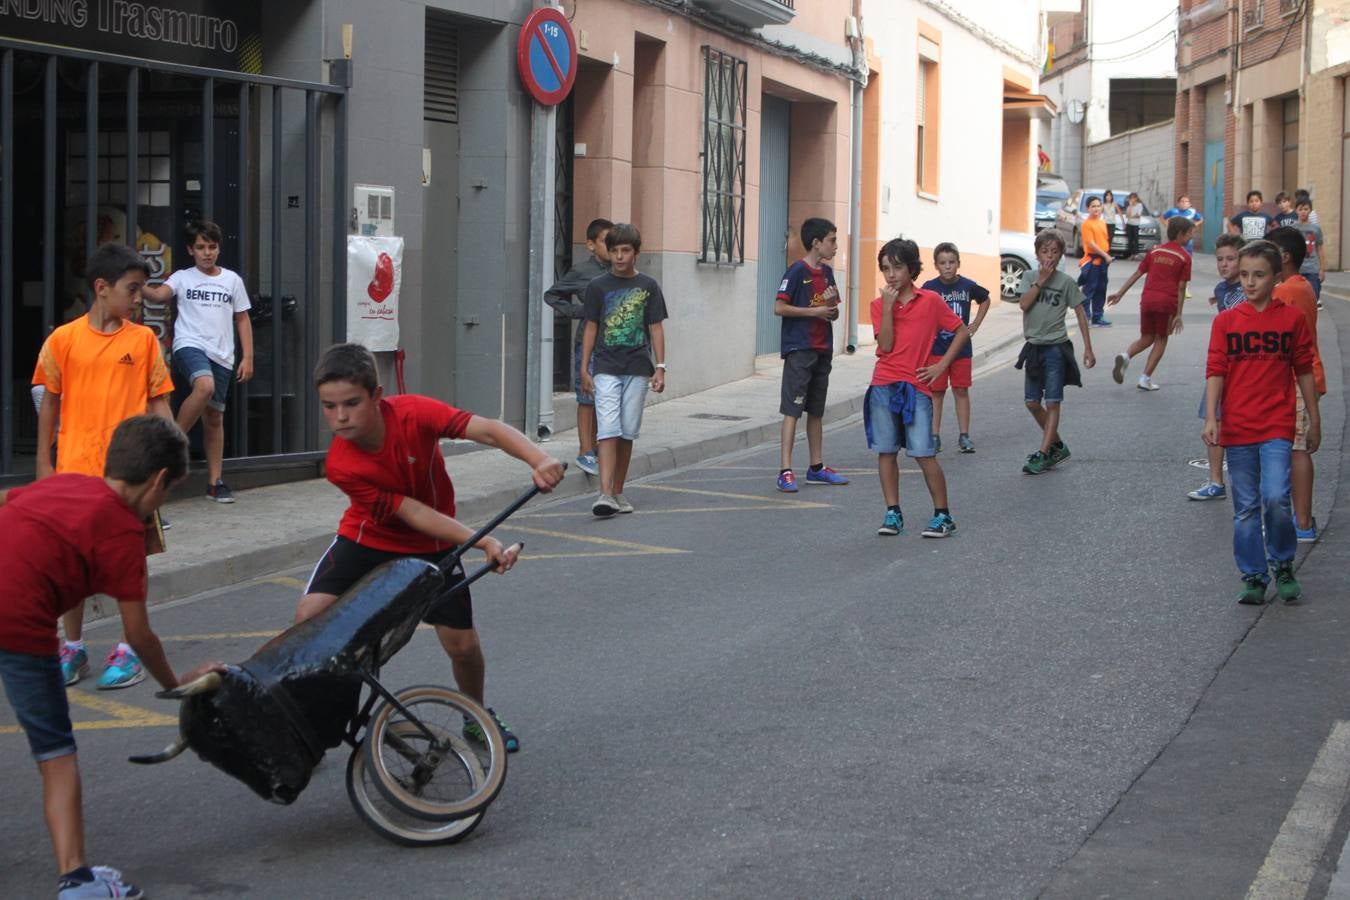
column 191, row 32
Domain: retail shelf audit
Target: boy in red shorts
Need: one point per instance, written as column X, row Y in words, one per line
column 386, row 458
column 67, row 537
column 1168, row 267
column 957, row 292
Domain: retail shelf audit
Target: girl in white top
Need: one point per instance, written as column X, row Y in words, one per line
column 1134, row 211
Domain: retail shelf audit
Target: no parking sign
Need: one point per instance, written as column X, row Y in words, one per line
column 546, row 54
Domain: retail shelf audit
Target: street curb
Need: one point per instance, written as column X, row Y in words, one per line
column 305, row 547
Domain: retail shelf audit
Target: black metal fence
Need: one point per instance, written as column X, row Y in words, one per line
column 105, row 173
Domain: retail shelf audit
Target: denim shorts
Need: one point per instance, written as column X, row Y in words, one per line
column 583, row 398
column 618, row 405
column 191, row 363
column 889, row 434
column 1050, row 386
column 37, row 692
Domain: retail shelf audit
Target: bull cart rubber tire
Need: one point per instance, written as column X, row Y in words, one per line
column 388, row 731
column 393, row 825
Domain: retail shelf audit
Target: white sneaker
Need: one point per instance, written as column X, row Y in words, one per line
column 605, row 506
column 622, row 502
column 1146, row 384
column 1122, row 363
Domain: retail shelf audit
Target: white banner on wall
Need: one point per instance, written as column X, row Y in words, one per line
column 374, row 276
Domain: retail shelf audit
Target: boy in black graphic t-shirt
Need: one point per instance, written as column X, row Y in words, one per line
column 624, row 312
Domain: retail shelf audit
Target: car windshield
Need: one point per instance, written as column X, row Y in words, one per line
column 1120, row 197
column 1051, row 197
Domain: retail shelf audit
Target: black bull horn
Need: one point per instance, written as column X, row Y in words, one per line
column 269, row 720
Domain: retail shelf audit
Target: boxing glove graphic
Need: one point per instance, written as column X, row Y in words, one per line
column 382, row 283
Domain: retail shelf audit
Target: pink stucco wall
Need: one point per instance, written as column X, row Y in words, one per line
column 639, row 111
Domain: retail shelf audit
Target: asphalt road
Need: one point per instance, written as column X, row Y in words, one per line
column 741, row 693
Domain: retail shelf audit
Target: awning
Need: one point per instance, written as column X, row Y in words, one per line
column 1021, row 105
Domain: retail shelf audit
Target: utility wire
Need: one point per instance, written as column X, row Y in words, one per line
column 1119, row 40
column 1135, row 54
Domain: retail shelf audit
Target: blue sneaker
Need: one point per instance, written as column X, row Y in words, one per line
column 588, row 463
column 474, row 733
column 74, row 664
column 787, row 482
column 940, row 526
column 826, row 475
column 1102, row 323
column 1306, row 535
column 893, row 524
column 124, row 669
column 1208, row 491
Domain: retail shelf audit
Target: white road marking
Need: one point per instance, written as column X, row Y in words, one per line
column 1292, row 861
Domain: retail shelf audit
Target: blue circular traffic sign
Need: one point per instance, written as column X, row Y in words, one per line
column 546, row 54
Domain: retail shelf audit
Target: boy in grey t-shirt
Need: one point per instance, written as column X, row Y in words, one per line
column 1047, row 296
column 1313, row 268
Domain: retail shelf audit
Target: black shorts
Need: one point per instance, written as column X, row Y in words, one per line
column 347, row 562
column 806, row 378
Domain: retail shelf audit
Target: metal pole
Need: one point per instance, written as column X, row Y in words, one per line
column 278, row 331
column 242, row 261
column 311, row 263
column 133, row 153
column 91, row 167
column 7, row 260
column 539, row 318
column 208, row 148
column 48, row 198
column 340, row 209
column 855, row 182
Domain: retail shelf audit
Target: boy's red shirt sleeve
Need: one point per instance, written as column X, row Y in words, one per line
column 442, row 419
column 1216, row 362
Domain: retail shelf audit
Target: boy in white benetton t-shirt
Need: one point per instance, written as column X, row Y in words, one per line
column 212, row 303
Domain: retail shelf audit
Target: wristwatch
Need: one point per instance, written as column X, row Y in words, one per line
column 661, row 366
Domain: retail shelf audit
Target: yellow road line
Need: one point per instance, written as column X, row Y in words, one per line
column 604, row 542
column 763, row 507
column 535, row 556
column 285, row 581
column 797, row 504
column 121, row 712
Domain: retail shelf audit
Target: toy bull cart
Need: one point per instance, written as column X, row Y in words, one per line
column 269, row 720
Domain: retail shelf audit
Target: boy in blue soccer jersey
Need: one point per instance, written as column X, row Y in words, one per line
column 1227, row 294
column 957, row 292
column 807, row 302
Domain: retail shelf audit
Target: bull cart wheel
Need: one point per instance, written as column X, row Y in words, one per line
column 392, row 823
column 423, row 762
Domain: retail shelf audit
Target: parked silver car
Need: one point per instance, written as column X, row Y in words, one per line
column 1069, row 223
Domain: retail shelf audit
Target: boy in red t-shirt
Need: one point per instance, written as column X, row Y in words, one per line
column 1168, row 267
column 1298, row 292
column 898, row 407
column 386, row 458
column 69, row 536
column 1258, row 350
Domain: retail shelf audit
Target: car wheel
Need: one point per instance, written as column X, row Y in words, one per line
column 1010, row 275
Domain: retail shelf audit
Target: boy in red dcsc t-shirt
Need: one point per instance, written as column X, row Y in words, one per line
column 67, row 537
column 386, row 458
column 1168, row 270
column 1257, row 351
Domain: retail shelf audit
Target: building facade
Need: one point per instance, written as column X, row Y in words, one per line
column 952, row 120
column 1110, row 68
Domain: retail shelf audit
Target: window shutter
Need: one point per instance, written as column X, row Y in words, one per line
column 440, row 92
column 921, row 107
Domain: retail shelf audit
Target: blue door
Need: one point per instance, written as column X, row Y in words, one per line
column 1213, row 204
column 775, row 115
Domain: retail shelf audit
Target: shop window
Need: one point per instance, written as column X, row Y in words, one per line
column 153, row 169
column 724, row 98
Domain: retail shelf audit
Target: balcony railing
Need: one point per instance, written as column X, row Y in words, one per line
column 751, row 13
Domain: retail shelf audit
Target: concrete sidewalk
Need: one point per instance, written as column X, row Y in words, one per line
column 287, row 525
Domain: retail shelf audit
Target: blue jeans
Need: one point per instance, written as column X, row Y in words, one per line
column 886, row 433
column 37, row 692
column 1092, row 279
column 1316, row 282
column 192, row 363
column 1258, row 479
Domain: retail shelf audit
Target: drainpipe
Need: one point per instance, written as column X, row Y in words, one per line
column 855, row 180
column 539, row 321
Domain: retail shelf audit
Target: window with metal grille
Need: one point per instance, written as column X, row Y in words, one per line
column 724, row 95
column 153, row 165
column 440, row 88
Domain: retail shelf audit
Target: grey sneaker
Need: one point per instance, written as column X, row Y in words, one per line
column 98, row 882
column 622, row 502
column 1118, row 373
column 604, row 506
column 965, row 444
